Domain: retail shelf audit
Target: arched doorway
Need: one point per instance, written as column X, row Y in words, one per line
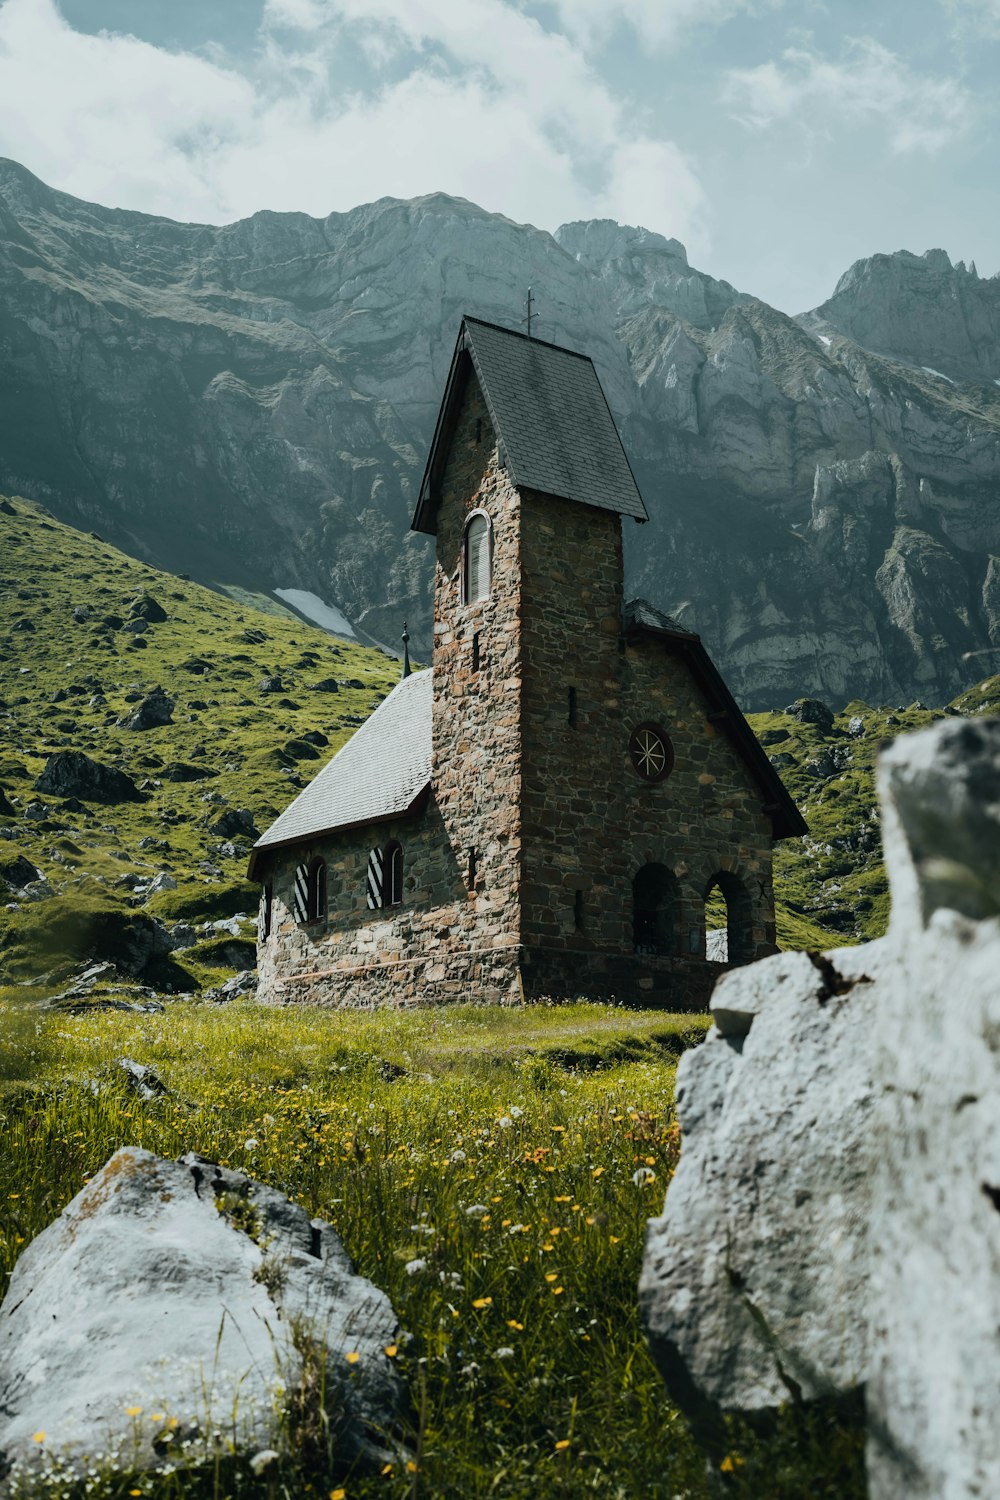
column 728, row 920
column 655, row 911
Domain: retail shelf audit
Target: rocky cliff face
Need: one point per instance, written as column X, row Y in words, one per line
column 252, row 404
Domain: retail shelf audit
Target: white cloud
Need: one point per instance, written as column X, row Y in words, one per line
column 975, row 17
column 868, row 85
column 657, row 23
column 480, row 101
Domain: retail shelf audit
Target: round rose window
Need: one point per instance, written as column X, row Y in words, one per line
column 650, row 751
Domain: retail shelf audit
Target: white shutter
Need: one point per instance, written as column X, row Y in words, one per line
column 300, row 898
column 374, row 880
column 477, row 559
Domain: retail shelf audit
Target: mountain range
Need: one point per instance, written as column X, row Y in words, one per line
column 251, row 405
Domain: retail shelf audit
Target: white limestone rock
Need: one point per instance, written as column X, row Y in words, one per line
column 935, row 1296
column 834, row 1223
column 754, row 1280
column 174, row 1300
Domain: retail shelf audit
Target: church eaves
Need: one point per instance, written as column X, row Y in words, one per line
column 382, row 772
column 551, row 417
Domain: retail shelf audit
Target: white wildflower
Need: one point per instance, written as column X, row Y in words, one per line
column 263, row 1460
column 505, row 1122
column 642, row 1175
column 250, row 1144
column 414, row 1267
column 516, row 1111
column 504, row 1353
column 458, row 1155
column 476, row 1210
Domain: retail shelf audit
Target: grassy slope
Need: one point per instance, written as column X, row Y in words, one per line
column 222, row 724
column 832, row 886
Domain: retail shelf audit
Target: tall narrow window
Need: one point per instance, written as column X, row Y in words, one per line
column 316, row 896
column 475, row 652
column 392, row 875
column 478, row 560
column 578, row 910
column 264, row 915
column 472, row 869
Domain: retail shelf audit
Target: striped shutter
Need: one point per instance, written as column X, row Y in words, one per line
column 300, row 896
column 374, row 881
column 477, row 559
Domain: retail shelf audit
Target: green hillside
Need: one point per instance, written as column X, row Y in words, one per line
column 78, row 657
column 259, row 703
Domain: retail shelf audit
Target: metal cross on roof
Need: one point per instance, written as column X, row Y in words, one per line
column 529, row 304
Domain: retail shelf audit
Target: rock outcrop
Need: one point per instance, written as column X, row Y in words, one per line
column 840, row 1166
column 253, row 404
column 172, row 1302
column 70, row 773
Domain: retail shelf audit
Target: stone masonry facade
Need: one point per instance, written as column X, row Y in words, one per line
column 519, row 870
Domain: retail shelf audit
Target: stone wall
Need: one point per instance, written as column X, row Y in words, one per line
column 457, row 935
column 518, row 875
column 590, row 822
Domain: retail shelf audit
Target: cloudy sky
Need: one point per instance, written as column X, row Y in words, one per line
column 779, row 139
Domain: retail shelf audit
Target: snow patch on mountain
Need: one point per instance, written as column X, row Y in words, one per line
column 314, row 608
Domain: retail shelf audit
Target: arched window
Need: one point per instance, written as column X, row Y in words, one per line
column 728, row 920
column 655, row 910
column 392, row 875
column 477, row 561
column 316, row 893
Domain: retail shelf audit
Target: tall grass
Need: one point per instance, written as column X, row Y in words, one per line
column 491, row 1171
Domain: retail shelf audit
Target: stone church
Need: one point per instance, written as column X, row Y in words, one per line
column 545, row 810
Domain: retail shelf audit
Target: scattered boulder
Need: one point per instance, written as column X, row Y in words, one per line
column 81, row 612
column 243, row 983
column 6, row 808
column 36, row 812
column 16, row 871
column 832, row 1225
column 182, row 935
column 300, row 749
column 326, row 685
column 236, row 823
column 773, row 736
column 180, row 770
column 811, row 711
column 135, row 627
column 164, row 881
column 271, row 685
column 145, row 607
column 160, row 1271
column 140, row 1079
column 315, row 737
column 70, row 773
column 855, row 726
column 153, row 711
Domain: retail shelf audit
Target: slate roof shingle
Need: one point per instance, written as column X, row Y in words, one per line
column 550, row 415
column 380, row 772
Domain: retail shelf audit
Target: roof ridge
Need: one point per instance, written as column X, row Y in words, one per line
column 530, row 338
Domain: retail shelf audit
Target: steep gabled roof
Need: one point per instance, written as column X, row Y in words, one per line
column 552, row 420
column 382, row 772
column 640, row 618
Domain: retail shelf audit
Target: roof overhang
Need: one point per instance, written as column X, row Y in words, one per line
column 259, row 851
